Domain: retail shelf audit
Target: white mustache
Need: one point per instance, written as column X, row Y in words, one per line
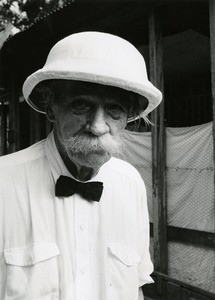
column 86, row 144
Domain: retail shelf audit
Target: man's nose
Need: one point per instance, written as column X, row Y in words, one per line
column 97, row 122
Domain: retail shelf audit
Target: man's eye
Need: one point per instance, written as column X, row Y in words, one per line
column 115, row 110
column 79, row 106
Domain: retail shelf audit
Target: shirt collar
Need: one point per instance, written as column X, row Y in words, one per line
column 54, row 158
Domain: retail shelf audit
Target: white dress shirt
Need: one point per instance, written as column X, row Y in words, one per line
column 70, row 248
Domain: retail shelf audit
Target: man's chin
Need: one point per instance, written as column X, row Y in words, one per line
column 93, row 159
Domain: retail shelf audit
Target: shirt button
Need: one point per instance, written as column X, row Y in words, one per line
column 81, row 227
column 82, row 272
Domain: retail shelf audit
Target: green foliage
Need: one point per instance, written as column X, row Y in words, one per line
column 22, row 13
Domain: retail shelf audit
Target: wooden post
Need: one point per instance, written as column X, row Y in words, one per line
column 158, row 147
column 212, row 51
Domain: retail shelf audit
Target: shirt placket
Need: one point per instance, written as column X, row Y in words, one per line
column 82, row 247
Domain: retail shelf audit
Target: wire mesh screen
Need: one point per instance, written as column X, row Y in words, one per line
column 190, row 200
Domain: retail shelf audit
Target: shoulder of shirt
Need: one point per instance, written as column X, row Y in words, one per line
column 124, row 168
column 24, row 156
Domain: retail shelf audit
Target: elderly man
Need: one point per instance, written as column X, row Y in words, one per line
column 74, row 222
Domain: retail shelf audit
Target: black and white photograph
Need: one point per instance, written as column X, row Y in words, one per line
column 107, row 149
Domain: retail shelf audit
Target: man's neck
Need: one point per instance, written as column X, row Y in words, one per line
column 78, row 171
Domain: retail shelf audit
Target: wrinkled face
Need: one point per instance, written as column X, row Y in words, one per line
column 88, row 123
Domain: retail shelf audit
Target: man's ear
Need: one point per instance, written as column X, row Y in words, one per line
column 50, row 114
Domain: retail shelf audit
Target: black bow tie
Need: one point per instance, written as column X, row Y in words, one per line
column 66, row 186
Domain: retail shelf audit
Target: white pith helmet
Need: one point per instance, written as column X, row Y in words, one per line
column 95, row 57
